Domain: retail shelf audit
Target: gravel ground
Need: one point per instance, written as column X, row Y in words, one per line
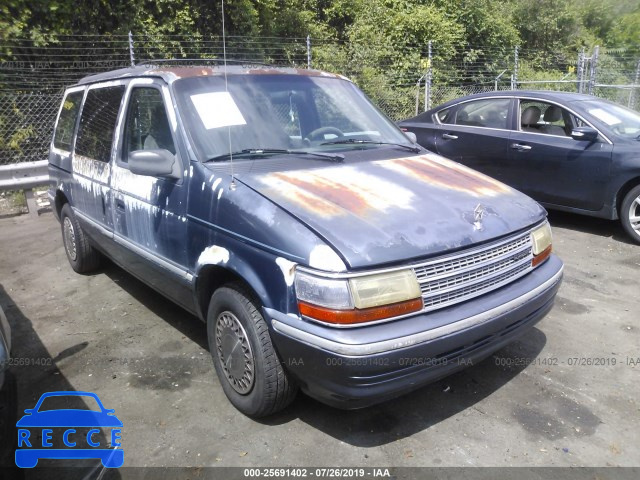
column 539, row 402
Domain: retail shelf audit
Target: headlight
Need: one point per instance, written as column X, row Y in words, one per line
column 541, row 240
column 384, row 288
column 358, row 299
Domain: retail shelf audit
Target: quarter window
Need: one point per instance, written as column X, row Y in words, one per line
column 67, row 121
column 98, row 122
column 491, row 113
column 147, row 126
column 443, row 114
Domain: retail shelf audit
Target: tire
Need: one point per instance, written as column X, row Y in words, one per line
column 255, row 383
column 630, row 214
column 81, row 255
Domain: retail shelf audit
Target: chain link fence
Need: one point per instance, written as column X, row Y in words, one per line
column 26, row 125
column 403, row 83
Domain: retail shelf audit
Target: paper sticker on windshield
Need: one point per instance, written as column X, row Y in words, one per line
column 217, row 109
column 606, row 117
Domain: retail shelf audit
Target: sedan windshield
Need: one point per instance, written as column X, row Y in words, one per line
column 271, row 113
column 621, row 120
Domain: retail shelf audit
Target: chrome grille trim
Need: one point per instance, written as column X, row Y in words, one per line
column 450, row 280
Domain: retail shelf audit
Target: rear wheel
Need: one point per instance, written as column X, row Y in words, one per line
column 82, row 256
column 630, row 213
column 249, row 370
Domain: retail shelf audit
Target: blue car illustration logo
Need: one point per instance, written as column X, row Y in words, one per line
column 37, row 428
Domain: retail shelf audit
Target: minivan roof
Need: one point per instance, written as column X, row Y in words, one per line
column 174, row 71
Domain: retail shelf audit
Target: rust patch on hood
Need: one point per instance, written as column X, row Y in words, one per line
column 330, row 192
column 370, row 190
column 440, row 172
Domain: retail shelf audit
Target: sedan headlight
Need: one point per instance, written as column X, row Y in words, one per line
column 358, row 299
column 541, row 240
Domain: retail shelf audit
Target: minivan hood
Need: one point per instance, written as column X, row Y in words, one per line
column 390, row 211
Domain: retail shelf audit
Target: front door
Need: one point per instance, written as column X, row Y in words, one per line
column 553, row 168
column 149, row 213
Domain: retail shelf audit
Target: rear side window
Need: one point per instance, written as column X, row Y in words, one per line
column 67, row 121
column 98, row 122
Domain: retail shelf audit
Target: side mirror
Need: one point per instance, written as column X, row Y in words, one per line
column 410, row 135
column 154, row 163
column 587, row 134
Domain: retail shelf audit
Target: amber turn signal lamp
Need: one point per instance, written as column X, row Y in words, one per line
column 356, row 315
column 541, row 257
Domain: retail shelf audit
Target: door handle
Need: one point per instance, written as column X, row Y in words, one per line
column 520, row 147
column 448, row 136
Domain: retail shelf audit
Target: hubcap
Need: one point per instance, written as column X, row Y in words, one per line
column 70, row 238
column 634, row 215
column 234, row 352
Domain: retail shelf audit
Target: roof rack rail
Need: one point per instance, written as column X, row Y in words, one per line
column 200, row 61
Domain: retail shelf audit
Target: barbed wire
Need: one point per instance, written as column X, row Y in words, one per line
column 33, row 75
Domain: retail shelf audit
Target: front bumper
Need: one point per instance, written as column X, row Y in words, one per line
column 358, row 367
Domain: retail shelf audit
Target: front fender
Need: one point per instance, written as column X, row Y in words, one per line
column 270, row 277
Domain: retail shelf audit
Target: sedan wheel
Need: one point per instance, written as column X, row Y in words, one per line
column 630, row 214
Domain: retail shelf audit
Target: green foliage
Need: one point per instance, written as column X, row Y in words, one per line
column 381, row 44
column 626, row 32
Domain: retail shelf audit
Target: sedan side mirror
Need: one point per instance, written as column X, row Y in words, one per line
column 412, row 137
column 154, row 163
column 587, row 134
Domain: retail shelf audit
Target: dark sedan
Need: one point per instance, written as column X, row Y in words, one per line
column 569, row 151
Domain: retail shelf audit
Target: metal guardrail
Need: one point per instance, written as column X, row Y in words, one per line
column 25, row 176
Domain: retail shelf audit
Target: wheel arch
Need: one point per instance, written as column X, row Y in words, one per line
column 210, row 277
column 60, row 200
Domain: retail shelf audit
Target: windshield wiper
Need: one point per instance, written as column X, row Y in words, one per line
column 373, row 142
column 275, row 151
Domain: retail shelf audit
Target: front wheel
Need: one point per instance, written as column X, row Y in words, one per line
column 247, row 365
column 630, row 213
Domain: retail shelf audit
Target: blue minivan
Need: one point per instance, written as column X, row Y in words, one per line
column 324, row 249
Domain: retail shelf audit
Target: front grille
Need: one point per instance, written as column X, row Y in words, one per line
column 450, row 280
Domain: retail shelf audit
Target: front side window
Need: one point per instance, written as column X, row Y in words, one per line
column 491, row 113
column 67, row 121
column 542, row 117
column 98, row 122
column 147, row 125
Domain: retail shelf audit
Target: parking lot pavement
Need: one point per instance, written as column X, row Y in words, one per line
column 565, row 394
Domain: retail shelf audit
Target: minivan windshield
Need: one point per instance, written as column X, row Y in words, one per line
column 621, row 120
column 274, row 113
